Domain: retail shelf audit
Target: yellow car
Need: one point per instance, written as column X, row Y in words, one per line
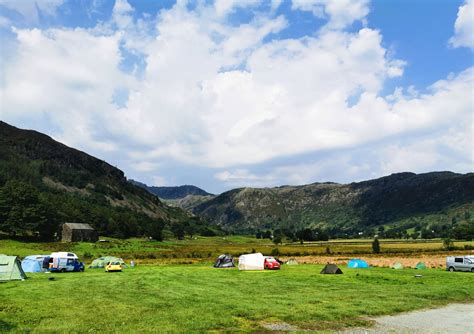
column 113, row 266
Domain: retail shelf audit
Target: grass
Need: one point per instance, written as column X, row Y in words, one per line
column 199, row 298
column 206, row 248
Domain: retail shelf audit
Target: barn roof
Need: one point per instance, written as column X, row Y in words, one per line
column 76, row 226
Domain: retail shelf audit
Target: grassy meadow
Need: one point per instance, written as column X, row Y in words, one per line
column 205, row 249
column 199, row 298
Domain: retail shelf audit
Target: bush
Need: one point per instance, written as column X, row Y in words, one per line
column 87, row 255
column 376, row 246
column 275, row 252
column 448, row 244
column 277, row 240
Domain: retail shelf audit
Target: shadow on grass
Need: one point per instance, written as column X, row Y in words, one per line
column 5, row 326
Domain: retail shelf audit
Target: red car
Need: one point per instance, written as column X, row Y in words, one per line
column 271, row 263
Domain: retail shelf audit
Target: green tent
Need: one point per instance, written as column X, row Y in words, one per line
column 10, row 268
column 102, row 261
column 420, row 265
column 331, row 269
column 292, row 262
column 397, row 265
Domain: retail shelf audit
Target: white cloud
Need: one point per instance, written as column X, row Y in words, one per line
column 341, row 13
column 66, row 77
column 224, row 7
column 218, row 95
column 464, row 26
column 5, row 22
column 30, row 9
column 121, row 13
column 144, row 166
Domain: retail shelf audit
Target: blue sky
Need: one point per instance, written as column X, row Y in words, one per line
column 245, row 93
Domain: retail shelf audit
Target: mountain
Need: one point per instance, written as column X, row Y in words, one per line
column 400, row 202
column 173, row 193
column 44, row 183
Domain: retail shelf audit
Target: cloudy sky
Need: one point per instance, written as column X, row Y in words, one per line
column 245, row 92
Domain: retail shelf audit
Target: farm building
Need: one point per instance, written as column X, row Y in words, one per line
column 72, row 232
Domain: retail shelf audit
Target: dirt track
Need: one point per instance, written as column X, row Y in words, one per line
column 454, row 318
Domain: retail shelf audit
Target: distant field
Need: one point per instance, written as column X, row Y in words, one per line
column 207, row 248
column 185, row 298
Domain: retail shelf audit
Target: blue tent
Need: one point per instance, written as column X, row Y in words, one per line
column 357, row 263
column 33, row 263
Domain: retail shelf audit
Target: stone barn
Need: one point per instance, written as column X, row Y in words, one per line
column 72, row 232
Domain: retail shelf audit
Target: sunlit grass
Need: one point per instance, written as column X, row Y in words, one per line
column 200, row 298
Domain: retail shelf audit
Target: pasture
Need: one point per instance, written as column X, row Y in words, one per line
column 197, row 298
column 207, row 248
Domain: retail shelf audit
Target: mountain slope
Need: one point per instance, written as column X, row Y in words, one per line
column 403, row 199
column 172, row 193
column 69, row 185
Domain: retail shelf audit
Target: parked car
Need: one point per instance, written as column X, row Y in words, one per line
column 64, row 261
column 460, row 263
column 271, row 263
column 113, row 266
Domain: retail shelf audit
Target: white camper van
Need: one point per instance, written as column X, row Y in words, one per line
column 64, row 261
column 460, row 263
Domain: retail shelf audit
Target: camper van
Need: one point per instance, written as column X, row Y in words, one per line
column 64, row 261
column 460, row 263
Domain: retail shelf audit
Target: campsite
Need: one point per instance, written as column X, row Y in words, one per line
column 185, row 293
column 201, row 298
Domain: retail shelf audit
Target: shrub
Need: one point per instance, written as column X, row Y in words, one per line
column 376, row 246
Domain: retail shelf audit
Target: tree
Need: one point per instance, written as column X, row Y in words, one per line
column 448, row 244
column 267, row 234
column 277, row 239
column 207, row 232
column 305, row 235
column 376, row 246
column 178, row 231
column 155, row 230
column 464, row 231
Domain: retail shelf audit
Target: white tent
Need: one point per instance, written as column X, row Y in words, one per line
column 251, row 261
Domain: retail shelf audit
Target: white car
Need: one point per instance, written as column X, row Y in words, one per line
column 460, row 263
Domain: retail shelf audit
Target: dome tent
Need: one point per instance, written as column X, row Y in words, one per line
column 10, row 268
column 35, row 263
column 224, row 261
column 420, row 266
column 331, row 269
column 357, row 264
column 101, row 262
column 292, row 262
column 397, row 265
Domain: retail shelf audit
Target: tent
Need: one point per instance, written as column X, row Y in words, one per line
column 101, row 262
column 10, row 268
column 35, row 263
column 397, row 265
column 224, row 261
column 251, row 261
column 420, row 265
column 331, row 269
column 292, row 262
column 357, row 263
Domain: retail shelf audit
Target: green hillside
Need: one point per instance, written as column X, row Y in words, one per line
column 44, row 183
column 430, row 205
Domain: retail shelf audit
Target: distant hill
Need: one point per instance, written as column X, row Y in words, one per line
column 173, row 193
column 402, row 203
column 44, row 183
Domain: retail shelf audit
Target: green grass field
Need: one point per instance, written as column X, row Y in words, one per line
column 199, row 298
column 206, row 248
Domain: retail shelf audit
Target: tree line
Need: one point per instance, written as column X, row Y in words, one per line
column 27, row 211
